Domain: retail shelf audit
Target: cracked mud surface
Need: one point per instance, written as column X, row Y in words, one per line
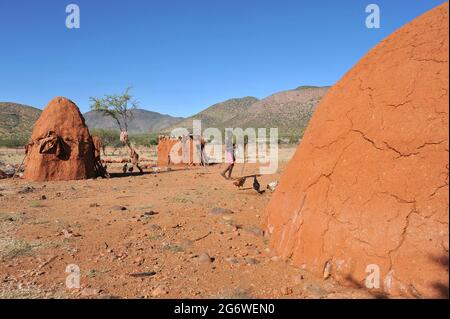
column 369, row 183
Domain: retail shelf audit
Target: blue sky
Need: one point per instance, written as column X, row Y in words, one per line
column 181, row 56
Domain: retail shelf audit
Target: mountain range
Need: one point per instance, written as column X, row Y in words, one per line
column 290, row 111
column 143, row 121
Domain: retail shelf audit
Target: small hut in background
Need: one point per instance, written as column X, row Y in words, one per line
column 176, row 151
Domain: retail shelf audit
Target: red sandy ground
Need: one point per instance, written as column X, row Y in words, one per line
column 78, row 223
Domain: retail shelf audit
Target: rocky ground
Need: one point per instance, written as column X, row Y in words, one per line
column 185, row 233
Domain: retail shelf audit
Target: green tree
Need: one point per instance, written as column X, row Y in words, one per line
column 118, row 107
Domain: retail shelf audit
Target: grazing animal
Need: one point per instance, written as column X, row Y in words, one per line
column 131, row 169
column 240, row 182
column 124, row 168
column 256, row 185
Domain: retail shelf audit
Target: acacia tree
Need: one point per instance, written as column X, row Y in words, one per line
column 118, row 107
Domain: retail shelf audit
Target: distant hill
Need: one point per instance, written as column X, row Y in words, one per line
column 290, row 111
column 16, row 122
column 143, row 121
column 217, row 114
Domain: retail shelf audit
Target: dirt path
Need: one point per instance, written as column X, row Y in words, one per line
column 157, row 224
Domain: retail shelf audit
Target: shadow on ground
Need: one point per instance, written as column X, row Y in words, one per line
column 441, row 287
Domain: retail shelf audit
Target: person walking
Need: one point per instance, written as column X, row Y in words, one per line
column 230, row 158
